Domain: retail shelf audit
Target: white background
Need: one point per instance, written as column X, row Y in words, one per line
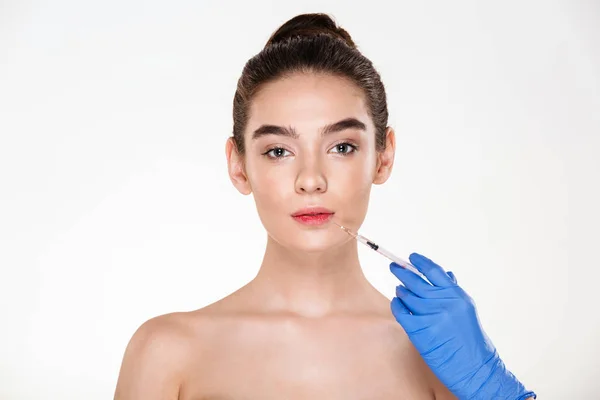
column 116, row 206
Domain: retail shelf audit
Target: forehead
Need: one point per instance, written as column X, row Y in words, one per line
column 307, row 101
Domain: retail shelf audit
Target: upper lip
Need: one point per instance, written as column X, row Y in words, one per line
column 312, row 210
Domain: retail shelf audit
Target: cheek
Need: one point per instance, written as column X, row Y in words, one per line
column 270, row 187
column 352, row 180
column 352, row 188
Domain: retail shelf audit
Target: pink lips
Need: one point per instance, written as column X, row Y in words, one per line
column 313, row 215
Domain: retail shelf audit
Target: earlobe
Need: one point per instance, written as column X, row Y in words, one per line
column 236, row 168
column 385, row 159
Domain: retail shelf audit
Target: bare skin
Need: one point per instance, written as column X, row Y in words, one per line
column 309, row 325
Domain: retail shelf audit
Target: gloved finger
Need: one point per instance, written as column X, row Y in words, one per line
column 414, row 325
column 419, row 286
column 414, row 304
column 433, row 272
column 412, row 281
column 422, row 327
column 399, row 309
column 452, row 276
column 402, row 315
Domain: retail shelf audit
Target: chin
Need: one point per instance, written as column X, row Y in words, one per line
column 314, row 243
column 307, row 240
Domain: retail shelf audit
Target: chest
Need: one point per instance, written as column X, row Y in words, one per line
column 331, row 365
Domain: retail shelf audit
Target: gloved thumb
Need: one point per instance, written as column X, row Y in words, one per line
column 452, row 276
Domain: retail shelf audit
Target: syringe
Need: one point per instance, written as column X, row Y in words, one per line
column 371, row 244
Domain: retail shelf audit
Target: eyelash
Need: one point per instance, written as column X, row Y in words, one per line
column 351, row 145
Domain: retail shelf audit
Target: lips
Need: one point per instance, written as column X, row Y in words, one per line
column 312, row 211
column 313, row 215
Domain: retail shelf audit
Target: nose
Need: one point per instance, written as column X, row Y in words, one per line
column 311, row 178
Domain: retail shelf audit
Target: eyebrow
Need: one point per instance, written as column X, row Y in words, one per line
column 348, row 123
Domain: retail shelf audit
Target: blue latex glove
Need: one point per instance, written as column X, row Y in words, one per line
column 441, row 321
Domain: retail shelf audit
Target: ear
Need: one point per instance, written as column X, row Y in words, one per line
column 236, row 168
column 385, row 159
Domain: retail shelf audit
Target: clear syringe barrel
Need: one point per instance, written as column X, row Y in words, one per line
column 389, row 255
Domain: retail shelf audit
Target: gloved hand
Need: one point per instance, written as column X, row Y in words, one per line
column 441, row 321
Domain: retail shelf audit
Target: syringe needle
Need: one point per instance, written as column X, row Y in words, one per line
column 348, row 231
column 403, row 263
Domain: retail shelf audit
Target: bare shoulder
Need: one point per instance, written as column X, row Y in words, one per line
column 156, row 358
column 166, row 333
column 163, row 350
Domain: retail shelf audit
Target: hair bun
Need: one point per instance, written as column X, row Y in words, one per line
column 308, row 25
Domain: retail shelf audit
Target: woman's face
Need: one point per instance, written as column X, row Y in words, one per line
column 293, row 161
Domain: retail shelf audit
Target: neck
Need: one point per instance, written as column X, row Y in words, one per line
column 313, row 284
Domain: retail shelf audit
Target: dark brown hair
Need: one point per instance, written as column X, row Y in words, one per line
column 310, row 43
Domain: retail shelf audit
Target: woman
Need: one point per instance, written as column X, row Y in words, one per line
column 310, row 138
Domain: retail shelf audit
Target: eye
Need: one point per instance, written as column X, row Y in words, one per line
column 277, row 152
column 345, row 148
